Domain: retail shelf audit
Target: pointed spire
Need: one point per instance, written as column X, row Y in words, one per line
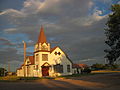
column 42, row 37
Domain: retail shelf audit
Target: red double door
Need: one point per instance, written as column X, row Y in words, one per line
column 45, row 71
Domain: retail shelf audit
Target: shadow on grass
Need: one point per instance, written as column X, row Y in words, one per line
column 31, row 79
column 19, row 79
column 76, row 75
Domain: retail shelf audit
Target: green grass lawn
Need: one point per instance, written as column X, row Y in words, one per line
column 76, row 75
column 9, row 78
column 17, row 79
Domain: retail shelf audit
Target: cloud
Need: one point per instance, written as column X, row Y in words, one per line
column 89, row 20
column 119, row 2
column 4, row 41
column 8, row 54
column 10, row 30
column 77, row 26
column 12, row 12
column 105, row 1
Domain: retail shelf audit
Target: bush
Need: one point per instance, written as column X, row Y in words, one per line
column 28, row 78
column 3, row 72
column 111, row 67
column 9, row 78
column 98, row 66
column 86, row 70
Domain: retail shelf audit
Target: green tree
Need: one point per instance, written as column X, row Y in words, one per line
column 2, row 72
column 113, row 35
column 97, row 66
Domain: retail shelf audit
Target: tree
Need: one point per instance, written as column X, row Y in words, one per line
column 97, row 66
column 113, row 35
column 2, row 72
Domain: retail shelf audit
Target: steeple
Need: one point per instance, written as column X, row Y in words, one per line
column 42, row 37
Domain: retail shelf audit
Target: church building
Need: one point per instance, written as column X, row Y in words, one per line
column 46, row 61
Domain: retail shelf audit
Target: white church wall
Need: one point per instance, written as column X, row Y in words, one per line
column 62, row 60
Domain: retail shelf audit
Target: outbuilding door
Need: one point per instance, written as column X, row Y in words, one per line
column 45, row 71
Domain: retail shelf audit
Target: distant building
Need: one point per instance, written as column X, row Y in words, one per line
column 46, row 61
column 78, row 68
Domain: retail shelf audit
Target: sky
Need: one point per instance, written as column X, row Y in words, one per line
column 77, row 26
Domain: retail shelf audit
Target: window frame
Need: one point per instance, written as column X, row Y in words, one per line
column 58, row 68
column 43, row 57
column 37, row 58
column 68, row 68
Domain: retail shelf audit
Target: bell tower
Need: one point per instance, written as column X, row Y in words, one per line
column 42, row 44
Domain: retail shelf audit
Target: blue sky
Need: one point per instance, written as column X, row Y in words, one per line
column 77, row 26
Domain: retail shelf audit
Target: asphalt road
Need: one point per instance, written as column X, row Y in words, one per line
column 92, row 82
column 40, row 85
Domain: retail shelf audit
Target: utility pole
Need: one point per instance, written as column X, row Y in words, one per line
column 24, row 57
column 4, row 70
column 8, row 67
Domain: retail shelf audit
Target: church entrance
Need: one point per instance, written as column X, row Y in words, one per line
column 45, row 71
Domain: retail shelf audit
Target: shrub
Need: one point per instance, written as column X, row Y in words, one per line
column 86, row 70
column 97, row 66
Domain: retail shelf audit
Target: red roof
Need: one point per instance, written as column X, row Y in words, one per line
column 42, row 37
column 80, row 65
column 18, row 68
column 52, row 49
column 76, row 66
column 83, row 65
column 31, row 58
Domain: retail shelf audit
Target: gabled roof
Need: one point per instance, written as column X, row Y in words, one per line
column 20, row 67
column 42, row 37
column 31, row 58
column 52, row 49
column 45, row 64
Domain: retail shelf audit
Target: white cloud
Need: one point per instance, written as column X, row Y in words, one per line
column 10, row 30
column 12, row 12
column 90, row 4
column 89, row 20
column 106, row 1
column 64, row 20
column 119, row 2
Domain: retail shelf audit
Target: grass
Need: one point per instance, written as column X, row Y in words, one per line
column 25, row 79
column 9, row 78
column 28, row 78
column 76, row 75
column 104, row 71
